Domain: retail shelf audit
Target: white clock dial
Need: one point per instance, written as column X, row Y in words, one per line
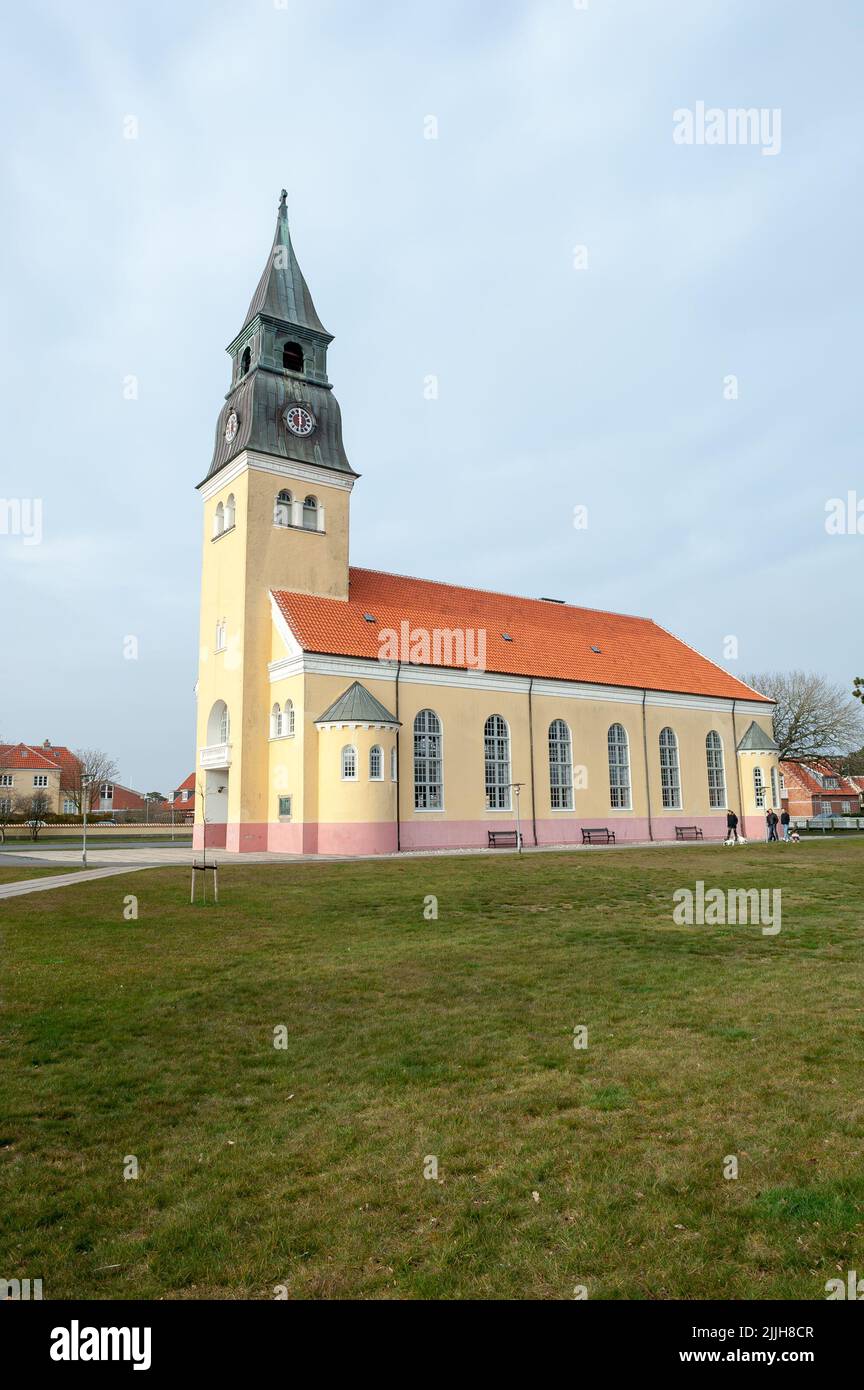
column 299, row 420
column 231, row 427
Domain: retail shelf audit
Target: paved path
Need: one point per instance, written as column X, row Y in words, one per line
column 41, row 885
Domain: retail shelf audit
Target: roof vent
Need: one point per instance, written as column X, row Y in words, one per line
column 596, row 649
column 506, row 636
column 369, row 617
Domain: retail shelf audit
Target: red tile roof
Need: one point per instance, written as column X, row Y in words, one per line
column 805, row 777
column 549, row 640
column 25, row 755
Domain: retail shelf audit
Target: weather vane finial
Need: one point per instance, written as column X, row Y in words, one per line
column 283, row 196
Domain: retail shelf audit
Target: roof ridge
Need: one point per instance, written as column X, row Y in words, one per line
column 715, row 664
column 499, row 593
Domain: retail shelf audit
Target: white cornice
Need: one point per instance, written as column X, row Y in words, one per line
column 279, row 468
column 359, row 668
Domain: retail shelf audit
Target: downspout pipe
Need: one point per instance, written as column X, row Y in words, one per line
column 398, row 762
column 531, row 745
column 737, row 764
column 647, row 769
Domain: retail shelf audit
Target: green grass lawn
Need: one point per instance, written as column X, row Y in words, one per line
column 408, row 1038
column 10, row 874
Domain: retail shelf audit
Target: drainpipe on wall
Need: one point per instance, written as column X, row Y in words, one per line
column 398, row 770
column 737, row 765
column 647, row 771
column 531, row 745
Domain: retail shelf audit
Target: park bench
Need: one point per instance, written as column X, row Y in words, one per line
column 688, row 832
column 599, row 835
column 503, row 837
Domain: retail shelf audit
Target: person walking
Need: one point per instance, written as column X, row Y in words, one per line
column 731, row 828
column 785, row 821
column 772, row 820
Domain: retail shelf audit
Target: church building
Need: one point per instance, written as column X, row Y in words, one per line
column 345, row 710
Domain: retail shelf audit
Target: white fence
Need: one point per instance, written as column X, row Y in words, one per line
column 828, row 822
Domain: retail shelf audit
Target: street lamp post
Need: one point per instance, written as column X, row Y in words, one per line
column 517, row 787
column 86, row 779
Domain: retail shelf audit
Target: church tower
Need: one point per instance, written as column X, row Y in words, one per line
column 276, row 516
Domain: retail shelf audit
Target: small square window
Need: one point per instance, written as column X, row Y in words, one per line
column 284, row 808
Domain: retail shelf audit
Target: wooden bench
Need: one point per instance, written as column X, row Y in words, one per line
column 599, row 835
column 688, row 832
column 503, row 837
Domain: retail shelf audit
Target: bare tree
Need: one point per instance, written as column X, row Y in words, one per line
column 813, row 718
column 88, row 763
column 34, row 807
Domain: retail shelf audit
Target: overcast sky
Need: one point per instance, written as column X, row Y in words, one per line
column 603, row 386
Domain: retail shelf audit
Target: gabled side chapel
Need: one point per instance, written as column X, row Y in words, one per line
column 345, row 710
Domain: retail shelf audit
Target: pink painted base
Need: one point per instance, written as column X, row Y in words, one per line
column 371, row 837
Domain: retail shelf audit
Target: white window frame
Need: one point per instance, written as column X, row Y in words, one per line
column 219, row 520
column 283, row 507
column 288, row 719
column 40, row 780
column 221, row 633
column 670, row 770
column 775, row 793
column 69, row 807
column 716, row 771
column 379, row 775
column 310, row 508
column 284, row 815
column 7, row 779
column 349, row 755
column 276, row 721
column 428, row 761
column 6, row 805
column 759, row 788
column 393, row 764
column 620, row 784
column 560, row 766
column 224, row 725
column 497, row 760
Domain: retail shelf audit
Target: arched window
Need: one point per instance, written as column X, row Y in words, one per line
column 393, row 763
column 376, row 764
column 775, row 798
column 292, row 357
column 349, row 763
column 218, row 724
column 219, row 519
column 245, row 361
column 282, row 509
column 496, row 742
column 229, row 512
column 619, row 768
column 288, row 721
column 670, row 773
column 276, row 721
column 759, row 786
column 310, row 513
column 716, row 771
column 428, row 780
column 560, row 767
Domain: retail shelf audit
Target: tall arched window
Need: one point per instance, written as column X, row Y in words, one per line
column 775, row 796
column 229, row 512
column 288, row 721
column 716, row 771
column 276, row 721
column 376, row 764
column 619, row 768
column 560, row 767
column 282, row 509
column 759, row 786
column 428, row 767
column 349, row 763
column 218, row 724
column 292, row 357
column 670, row 773
column 393, row 763
column 219, row 519
column 245, row 361
column 496, row 741
column 310, row 513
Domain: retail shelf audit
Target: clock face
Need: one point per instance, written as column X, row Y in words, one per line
column 231, row 426
column 299, row 420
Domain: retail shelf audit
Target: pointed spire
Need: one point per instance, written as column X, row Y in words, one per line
column 282, row 291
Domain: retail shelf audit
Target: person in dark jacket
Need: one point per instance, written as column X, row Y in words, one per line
column 785, row 820
column 772, row 819
column 731, row 828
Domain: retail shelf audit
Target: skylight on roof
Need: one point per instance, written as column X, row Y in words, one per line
column 506, row 636
column 596, row 649
column 369, row 617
